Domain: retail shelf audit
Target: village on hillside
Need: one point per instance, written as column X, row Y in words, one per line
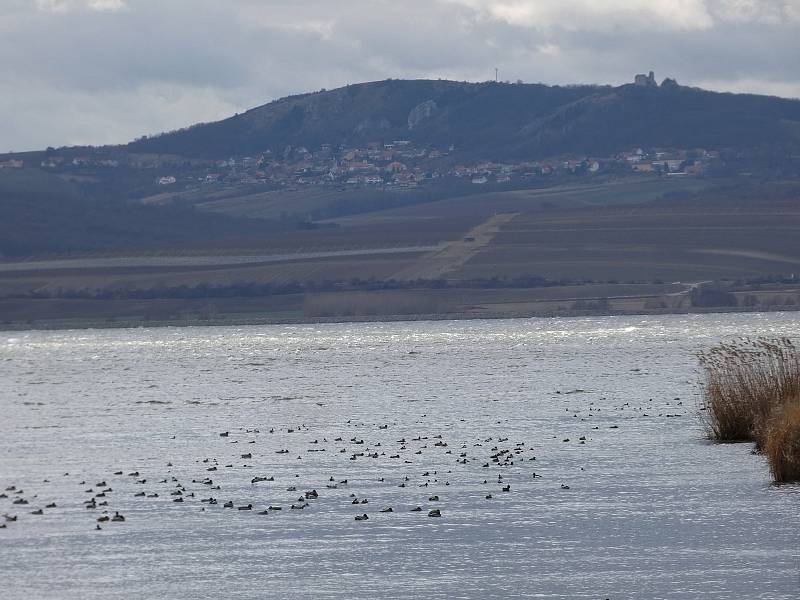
column 397, row 165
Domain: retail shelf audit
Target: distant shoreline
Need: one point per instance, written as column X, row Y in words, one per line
column 85, row 324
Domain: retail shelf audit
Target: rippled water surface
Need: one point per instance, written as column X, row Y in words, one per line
column 604, row 406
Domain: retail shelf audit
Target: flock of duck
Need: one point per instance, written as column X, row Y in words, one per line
column 216, row 482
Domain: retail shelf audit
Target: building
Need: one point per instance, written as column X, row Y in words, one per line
column 642, row 80
column 52, row 162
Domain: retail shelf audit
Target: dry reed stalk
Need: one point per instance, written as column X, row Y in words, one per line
column 782, row 442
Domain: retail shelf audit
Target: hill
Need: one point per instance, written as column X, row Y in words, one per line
column 44, row 213
column 86, row 199
column 497, row 120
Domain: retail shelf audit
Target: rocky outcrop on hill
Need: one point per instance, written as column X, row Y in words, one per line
column 421, row 112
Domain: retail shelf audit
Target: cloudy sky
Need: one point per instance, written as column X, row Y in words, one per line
column 106, row 71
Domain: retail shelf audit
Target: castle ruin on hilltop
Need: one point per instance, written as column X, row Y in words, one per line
column 649, row 80
column 643, row 80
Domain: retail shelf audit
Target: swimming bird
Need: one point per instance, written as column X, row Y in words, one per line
column 362, row 517
column 435, row 513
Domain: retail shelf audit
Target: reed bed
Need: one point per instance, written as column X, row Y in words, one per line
column 781, row 445
column 751, row 393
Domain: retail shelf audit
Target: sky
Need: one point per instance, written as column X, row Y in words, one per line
column 108, row 71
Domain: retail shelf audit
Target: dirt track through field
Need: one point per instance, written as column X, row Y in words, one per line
column 453, row 256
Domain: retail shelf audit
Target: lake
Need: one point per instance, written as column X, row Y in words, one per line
column 628, row 499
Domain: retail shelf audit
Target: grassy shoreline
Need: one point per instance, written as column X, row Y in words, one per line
column 255, row 319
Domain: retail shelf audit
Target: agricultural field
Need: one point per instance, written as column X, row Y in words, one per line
column 673, row 241
column 244, row 201
column 618, row 247
column 630, row 190
column 344, row 268
column 397, row 237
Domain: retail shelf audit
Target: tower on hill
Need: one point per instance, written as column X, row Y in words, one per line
column 645, row 80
